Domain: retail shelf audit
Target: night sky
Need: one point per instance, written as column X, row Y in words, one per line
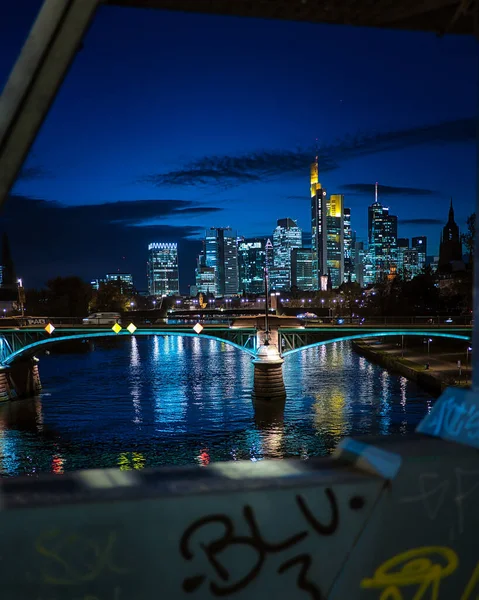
column 169, row 123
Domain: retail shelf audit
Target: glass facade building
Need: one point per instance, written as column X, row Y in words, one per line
column 382, row 234
column 221, row 254
column 302, row 269
column 318, row 225
column 125, row 281
column 420, row 244
column 335, row 239
column 349, row 274
column 286, row 236
column 163, row 274
column 251, row 263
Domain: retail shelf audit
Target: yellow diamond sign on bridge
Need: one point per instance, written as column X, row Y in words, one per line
column 198, row 328
column 132, row 328
column 49, row 328
column 116, row 328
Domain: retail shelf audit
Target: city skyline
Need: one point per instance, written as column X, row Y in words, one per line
column 139, row 146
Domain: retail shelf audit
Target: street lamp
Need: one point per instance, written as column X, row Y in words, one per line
column 468, row 349
column 428, row 342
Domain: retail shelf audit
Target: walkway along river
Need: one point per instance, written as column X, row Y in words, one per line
column 143, row 402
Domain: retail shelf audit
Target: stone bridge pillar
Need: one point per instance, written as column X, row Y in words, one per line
column 20, row 380
column 268, row 374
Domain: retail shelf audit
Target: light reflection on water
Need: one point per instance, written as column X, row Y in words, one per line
column 143, row 402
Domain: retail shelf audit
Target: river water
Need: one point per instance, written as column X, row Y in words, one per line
column 151, row 401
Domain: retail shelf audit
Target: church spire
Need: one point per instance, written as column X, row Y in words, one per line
column 451, row 213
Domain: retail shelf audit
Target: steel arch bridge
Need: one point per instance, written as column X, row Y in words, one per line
column 16, row 344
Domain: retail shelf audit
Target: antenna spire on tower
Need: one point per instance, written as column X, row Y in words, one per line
column 376, row 192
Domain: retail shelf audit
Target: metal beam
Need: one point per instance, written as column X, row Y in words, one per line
column 33, row 83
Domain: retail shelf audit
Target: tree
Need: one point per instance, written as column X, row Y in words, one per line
column 109, row 297
column 68, row 296
column 468, row 238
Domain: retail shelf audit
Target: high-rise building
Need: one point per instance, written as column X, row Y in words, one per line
column 318, row 225
column 450, row 248
column 382, row 233
column 286, row 236
column 302, row 269
column 251, row 262
column 221, row 253
column 358, row 256
column 420, row 244
column 205, row 280
column 402, row 246
column 335, row 239
column 411, row 265
column 163, row 274
column 349, row 273
column 124, row 281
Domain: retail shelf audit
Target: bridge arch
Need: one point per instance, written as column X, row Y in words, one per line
column 379, row 334
column 29, row 349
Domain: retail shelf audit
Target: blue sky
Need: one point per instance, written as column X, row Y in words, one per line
column 193, row 121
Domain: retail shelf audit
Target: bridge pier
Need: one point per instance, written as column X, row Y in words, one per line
column 268, row 374
column 20, row 380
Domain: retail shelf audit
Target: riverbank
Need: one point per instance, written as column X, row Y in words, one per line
column 433, row 371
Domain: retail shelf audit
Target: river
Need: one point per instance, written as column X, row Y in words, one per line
column 145, row 402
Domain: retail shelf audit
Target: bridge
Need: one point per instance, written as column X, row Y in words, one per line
column 19, row 374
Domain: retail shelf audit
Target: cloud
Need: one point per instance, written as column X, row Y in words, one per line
column 50, row 239
column 34, row 174
column 367, row 189
column 229, row 171
column 421, row 221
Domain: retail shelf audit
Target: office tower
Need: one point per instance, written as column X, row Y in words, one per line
column 286, row 236
column 335, row 239
column 349, row 274
column 251, row 262
column 221, row 253
column 124, row 281
column 382, row 233
column 358, row 257
column 318, row 217
column 163, row 277
column 302, row 269
column 269, row 254
column 403, row 245
column 411, row 265
column 420, row 244
column 205, row 280
column 450, row 248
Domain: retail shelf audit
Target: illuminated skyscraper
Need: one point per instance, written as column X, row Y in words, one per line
column 302, row 269
column 349, row 273
column 403, row 245
column 318, row 218
column 335, row 239
column 382, row 233
column 286, row 236
column 221, row 253
column 163, row 276
column 251, row 261
column 420, row 244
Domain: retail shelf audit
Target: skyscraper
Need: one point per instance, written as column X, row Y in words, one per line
column 163, row 275
column 318, row 224
column 420, row 244
column 382, row 233
column 251, row 262
column 403, row 245
column 302, row 269
column 335, row 239
column 221, row 253
column 286, row 236
column 349, row 274
column 450, row 248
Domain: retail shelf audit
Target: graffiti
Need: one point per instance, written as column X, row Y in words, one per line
column 452, row 418
column 222, row 584
column 434, row 492
column 74, row 559
column 423, row 567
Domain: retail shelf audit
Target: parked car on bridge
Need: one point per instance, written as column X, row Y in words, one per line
column 103, row 318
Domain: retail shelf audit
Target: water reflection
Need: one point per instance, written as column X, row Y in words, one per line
column 170, row 400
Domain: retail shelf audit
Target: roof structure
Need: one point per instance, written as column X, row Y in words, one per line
column 440, row 16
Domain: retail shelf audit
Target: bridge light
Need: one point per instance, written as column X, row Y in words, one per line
column 198, row 328
column 116, row 328
column 49, row 328
column 132, row 328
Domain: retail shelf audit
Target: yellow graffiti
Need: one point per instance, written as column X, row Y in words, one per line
column 90, row 558
column 424, row 566
column 473, row 581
